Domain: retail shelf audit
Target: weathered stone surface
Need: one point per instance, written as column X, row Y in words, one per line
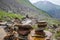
column 2, row 33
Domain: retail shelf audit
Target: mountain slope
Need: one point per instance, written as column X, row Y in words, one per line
column 23, row 7
column 52, row 9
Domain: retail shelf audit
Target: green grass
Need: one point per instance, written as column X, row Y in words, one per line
column 10, row 15
column 53, row 21
column 57, row 34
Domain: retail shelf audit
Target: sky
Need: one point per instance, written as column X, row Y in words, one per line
column 57, row 2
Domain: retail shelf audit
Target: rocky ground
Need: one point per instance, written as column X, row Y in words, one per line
column 2, row 33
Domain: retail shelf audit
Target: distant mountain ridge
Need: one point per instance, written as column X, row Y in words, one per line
column 52, row 9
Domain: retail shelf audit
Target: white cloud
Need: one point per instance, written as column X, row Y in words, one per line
column 53, row 1
column 34, row 1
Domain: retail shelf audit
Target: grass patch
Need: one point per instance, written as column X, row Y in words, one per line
column 4, row 14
